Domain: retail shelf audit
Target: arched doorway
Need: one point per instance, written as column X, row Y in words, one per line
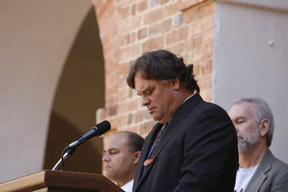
column 79, row 94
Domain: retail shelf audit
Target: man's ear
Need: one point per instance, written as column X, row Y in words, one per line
column 136, row 157
column 175, row 83
column 264, row 127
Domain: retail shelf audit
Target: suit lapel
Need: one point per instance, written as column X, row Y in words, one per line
column 261, row 173
column 146, row 149
column 179, row 116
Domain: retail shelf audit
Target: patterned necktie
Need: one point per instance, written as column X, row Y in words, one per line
column 151, row 155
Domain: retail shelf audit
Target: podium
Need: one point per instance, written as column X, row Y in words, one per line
column 60, row 181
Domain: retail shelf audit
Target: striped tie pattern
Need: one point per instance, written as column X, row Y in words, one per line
column 151, row 155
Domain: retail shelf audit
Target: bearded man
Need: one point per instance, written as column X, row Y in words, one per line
column 259, row 170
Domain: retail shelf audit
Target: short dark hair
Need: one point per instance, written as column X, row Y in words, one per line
column 163, row 65
column 135, row 141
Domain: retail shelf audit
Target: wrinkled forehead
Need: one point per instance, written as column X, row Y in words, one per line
column 141, row 83
column 242, row 109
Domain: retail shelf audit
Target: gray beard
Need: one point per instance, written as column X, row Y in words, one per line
column 243, row 146
column 247, row 143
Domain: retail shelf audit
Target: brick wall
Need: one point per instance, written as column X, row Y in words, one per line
column 128, row 28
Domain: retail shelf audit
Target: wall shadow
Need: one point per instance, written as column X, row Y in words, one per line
column 79, row 94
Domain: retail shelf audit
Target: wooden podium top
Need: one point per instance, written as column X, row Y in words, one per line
column 58, row 181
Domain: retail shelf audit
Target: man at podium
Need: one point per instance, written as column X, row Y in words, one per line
column 120, row 157
column 193, row 146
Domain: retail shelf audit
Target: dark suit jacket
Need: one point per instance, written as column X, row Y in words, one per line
column 197, row 152
column 271, row 175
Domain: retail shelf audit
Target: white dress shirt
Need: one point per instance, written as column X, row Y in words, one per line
column 128, row 186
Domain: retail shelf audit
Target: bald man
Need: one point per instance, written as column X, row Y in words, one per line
column 120, row 157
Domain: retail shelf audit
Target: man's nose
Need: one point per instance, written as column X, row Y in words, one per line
column 145, row 101
column 106, row 157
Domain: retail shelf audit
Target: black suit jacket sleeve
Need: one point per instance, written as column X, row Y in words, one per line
column 210, row 152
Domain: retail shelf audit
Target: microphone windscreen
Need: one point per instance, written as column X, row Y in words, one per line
column 102, row 127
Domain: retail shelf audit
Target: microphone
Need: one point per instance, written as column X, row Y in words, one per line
column 96, row 130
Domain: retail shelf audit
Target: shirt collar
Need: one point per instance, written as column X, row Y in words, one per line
column 188, row 97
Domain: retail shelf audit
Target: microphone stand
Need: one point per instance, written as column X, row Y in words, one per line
column 67, row 153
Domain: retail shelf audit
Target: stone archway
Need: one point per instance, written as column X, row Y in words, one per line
column 79, row 94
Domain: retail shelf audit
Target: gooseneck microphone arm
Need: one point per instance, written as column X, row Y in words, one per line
column 63, row 158
column 96, row 130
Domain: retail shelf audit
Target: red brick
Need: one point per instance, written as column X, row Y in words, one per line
column 101, row 114
column 124, row 12
column 196, row 69
column 128, row 39
column 190, row 15
column 153, row 44
column 142, row 33
column 122, row 94
column 205, row 81
column 147, row 114
column 110, row 94
column 193, row 43
column 131, row 128
column 120, row 2
column 208, row 38
column 129, row 52
column 207, row 23
column 208, row 8
column 129, row 24
column 142, row 6
column 196, row 28
column 130, row 93
column 183, row 33
column 197, row 55
column 129, row 28
column 127, row 106
column 111, row 77
column 206, row 94
column 99, row 6
column 185, row 4
column 195, row 13
column 139, row 116
column 208, row 54
column 185, row 56
column 125, row 39
column 118, row 121
column 112, row 110
column 123, row 68
column 177, row 48
column 129, row 119
column 160, row 28
column 153, row 16
column 111, row 101
column 188, row 44
column 164, row 2
column 206, row 67
column 110, row 49
column 146, row 127
column 177, row 35
column 170, row 9
column 172, row 37
column 133, row 9
column 122, row 83
column 97, row 3
column 109, row 29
